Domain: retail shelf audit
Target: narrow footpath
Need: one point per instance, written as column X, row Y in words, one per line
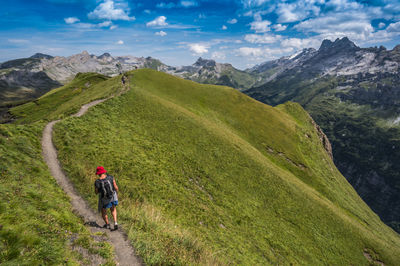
column 124, row 252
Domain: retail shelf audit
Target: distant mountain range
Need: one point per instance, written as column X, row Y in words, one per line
column 351, row 92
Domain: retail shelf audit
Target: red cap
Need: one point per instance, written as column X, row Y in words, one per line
column 100, row 170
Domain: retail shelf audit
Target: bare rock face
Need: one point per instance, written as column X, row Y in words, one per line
column 323, row 138
column 63, row 69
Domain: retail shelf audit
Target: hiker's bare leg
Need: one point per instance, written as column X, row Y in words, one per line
column 114, row 213
column 104, row 215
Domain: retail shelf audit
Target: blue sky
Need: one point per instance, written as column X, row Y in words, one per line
column 240, row 32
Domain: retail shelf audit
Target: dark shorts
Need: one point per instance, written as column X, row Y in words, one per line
column 109, row 205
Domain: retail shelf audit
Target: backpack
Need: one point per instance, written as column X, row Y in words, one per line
column 106, row 188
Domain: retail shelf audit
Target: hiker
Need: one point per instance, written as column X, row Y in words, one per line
column 107, row 189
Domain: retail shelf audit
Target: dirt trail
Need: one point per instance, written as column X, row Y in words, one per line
column 125, row 254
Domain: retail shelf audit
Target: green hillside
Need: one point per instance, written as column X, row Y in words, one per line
column 210, row 176
column 358, row 114
column 37, row 225
column 64, row 100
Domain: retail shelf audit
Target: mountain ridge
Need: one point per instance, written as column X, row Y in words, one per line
column 352, row 77
column 262, row 188
column 352, row 94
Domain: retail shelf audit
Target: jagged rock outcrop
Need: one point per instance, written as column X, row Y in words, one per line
column 323, row 138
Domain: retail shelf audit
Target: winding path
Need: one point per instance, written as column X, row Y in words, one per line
column 125, row 254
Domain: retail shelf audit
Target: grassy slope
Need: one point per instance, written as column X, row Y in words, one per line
column 209, row 175
column 67, row 99
column 362, row 137
column 37, row 225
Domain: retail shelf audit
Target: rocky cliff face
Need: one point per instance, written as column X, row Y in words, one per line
column 353, row 93
column 63, row 69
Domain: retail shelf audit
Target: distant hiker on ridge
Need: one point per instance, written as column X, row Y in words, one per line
column 107, row 189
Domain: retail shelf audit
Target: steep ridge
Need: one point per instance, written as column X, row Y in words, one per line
column 352, row 94
column 204, row 170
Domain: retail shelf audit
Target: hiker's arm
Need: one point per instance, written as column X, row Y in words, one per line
column 95, row 189
column 115, row 185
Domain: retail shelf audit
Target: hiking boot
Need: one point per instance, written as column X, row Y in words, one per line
column 116, row 227
column 107, row 226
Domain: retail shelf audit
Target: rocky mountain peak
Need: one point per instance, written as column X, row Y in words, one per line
column 40, row 56
column 105, row 55
column 343, row 44
column 205, row 62
column 326, row 44
column 397, row 48
column 305, row 53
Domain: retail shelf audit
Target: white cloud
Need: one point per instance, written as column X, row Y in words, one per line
column 94, row 26
column 187, row 3
column 165, row 5
column 277, row 52
column 279, row 27
column 354, row 25
column 342, row 5
column 107, row 10
column 248, row 13
column 147, row 11
column 17, row 41
column 218, row 55
column 381, row 25
column 71, row 20
column 265, row 38
column 157, row 22
column 105, row 24
column 253, row 3
column 161, row 33
column 297, row 11
column 250, row 51
column 260, row 26
column 260, row 54
column 287, row 13
column 224, row 27
column 202, row 16
column 85, row 26
column 120, row 42
column 232, row 21
column 393, row 27
column 198, row 49
column 299, row 44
